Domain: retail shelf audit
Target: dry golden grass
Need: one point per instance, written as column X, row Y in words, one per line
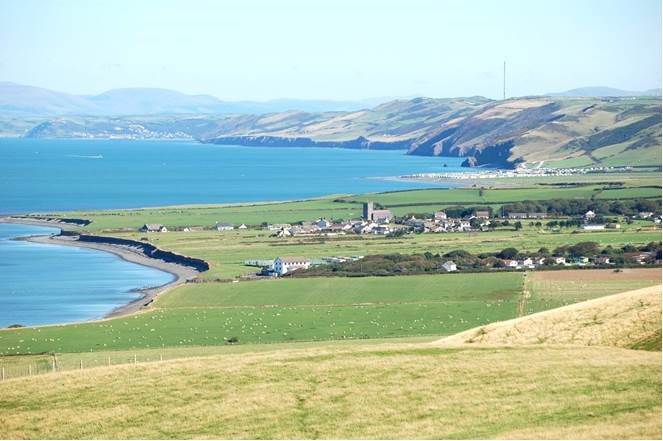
column 624, row 320
column 372, row 391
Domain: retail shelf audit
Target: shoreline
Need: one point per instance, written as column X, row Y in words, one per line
column 180, row 273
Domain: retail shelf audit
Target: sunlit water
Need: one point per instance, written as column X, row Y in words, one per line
column 41, row 284
column 52, row 175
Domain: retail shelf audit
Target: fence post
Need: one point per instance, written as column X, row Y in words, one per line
column 81, row 364
column 135, row 359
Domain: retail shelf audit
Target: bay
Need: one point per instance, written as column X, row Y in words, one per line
column 46, row 175
column 44, row 284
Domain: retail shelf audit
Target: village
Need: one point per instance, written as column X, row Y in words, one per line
column 380, row 221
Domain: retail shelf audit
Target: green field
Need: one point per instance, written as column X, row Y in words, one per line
column 277, row 311
column 400, row 202
column 289, row 310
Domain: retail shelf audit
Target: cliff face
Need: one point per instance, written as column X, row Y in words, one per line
column 540, row 129
column 277, row 141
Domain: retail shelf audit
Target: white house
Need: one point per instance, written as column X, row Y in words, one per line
column 381, row 229
column 449, row 266
column 283, row 265
column 439, row 215
column 528, row 262
column 511, row 263
column 224, row 226
column 559, row 260
column 589, row 215
column 242, row 227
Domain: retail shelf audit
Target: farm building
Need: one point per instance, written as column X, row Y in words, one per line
column 323, row 223
column 224, row 226
column 449, row 266
column 523, row 215
column 153, row 228
column 592, row 227
column 284, row 265
column 482, row 214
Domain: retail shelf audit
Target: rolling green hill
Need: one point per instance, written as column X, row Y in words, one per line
column 533, row 131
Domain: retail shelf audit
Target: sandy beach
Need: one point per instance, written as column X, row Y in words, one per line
column 180, row 273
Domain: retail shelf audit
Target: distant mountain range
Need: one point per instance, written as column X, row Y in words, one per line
column 18, row 100
column 22, row 100
column 554, row 131
column 606, row 92
column 534, row 131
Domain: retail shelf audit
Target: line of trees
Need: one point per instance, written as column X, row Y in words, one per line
column 429, row 263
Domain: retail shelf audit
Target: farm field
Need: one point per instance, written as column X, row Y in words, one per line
column 289, row 310
column 552, row 289
column 590, row 392
column 349, row 207
column 280, row 311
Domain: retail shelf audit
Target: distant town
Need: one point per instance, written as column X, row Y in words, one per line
column 379, row 221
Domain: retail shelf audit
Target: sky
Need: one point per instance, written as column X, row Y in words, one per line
column 342, row 50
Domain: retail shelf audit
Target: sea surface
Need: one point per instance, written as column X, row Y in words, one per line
column 46, row 175
column 43, row 284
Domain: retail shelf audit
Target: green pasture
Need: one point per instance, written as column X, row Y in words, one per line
column 289, row 310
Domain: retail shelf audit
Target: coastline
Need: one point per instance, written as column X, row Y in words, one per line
column 180, row 273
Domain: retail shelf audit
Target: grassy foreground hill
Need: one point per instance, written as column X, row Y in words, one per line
column 359, row 391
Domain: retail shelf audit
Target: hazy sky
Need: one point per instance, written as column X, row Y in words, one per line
column 337, row 49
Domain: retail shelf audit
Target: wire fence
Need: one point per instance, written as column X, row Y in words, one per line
column 46, row 364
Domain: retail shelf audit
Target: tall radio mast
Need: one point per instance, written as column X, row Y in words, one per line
column 504, row 83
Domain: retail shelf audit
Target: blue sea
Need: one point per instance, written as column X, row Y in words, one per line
column 38, row 175
column 43, row 284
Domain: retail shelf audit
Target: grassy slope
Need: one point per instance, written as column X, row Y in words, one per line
column 370, row 392
column 290, row 310
column 316, row 309
column 630, row 319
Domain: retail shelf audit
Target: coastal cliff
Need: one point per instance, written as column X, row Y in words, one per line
column 360, row 142
column 557, row 131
